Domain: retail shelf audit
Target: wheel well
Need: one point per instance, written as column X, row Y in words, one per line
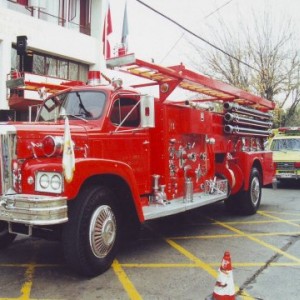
column 122, row 191
column 257, row 165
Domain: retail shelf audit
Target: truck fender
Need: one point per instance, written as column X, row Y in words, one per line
column 86, row 169
column 233, row 174
column 239, row 177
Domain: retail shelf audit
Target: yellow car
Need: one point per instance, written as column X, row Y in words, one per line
column 286, row 153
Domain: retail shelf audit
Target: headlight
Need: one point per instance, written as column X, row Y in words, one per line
column 55, row 182
column 49, row 182
column 44, row 181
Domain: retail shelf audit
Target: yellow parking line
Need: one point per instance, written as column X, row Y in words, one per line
column 26, row 288
column 27, row 265
column 261, row 264
column 216, row 236
column 190, row 265
column 221, row 236
column 258, row 222
column 127, row 284
column 198, row 262
column 159, row 265
column 281, row 213
column 32, row 298
column 252, row 238
column 290, row 222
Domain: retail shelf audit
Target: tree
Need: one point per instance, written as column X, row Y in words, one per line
column 262, row 58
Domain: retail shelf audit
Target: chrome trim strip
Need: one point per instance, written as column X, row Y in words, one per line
column 179, row 205
column 8, row 145
column 33, row 209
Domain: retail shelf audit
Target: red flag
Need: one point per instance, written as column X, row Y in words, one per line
column 68, row 160
column 107, row 30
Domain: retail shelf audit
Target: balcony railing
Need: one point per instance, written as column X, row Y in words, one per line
column 40, row 13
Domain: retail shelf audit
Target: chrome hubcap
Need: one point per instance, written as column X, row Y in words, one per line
column 255, row 190
column 102, row 231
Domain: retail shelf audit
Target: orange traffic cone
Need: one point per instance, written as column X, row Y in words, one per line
column 224, row 287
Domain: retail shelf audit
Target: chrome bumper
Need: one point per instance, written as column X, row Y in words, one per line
column 33, row 209
column 283, row 175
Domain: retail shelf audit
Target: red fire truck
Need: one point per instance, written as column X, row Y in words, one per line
column 101, row 159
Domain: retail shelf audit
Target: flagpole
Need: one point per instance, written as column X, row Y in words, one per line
column 105, row 30
column 124, row 38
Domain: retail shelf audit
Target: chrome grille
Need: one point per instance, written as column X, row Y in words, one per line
column 285, row 165
column 8, row 144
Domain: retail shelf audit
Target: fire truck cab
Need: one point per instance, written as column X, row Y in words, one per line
column 101, row 159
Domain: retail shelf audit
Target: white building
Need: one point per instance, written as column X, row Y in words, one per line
column 64, row 42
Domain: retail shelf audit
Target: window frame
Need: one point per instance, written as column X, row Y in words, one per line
column 121, row 117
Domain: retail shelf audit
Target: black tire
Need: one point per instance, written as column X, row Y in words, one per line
column 231, row 204
column 251, row 200
column 247, row 202
column 6, row 238
column 91, row 237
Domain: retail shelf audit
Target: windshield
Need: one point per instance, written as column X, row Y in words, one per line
column 286, row 144
column 85, row 105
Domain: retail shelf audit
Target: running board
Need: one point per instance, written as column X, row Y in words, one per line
column 154, row 211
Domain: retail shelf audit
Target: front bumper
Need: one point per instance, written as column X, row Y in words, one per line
column 282, row 174
column 33, row 209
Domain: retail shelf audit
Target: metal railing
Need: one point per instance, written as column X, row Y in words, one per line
column 43, row 15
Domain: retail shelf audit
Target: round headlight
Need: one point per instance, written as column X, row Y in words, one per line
column 55, row 182
column 44, row 181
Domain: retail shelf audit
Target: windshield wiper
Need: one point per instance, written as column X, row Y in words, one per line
column 79, row 117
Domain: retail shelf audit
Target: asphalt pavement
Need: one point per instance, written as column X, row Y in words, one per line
column 175, row 258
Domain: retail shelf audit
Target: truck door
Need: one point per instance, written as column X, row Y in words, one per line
column 129, row 142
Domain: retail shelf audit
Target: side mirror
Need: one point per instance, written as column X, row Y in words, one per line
column 147, row 111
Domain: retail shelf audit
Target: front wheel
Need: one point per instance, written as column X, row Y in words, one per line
column 6, row 238
column 92, row 235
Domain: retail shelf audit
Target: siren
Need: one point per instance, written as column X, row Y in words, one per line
column 122, row 51
column 15, row 74
column 94, row 77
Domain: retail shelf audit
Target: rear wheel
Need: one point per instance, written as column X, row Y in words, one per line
column 6, row 238
column 250, row 201
column 247, row 202
column 92, row 235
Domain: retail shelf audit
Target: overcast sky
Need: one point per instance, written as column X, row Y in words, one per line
column 153, row 37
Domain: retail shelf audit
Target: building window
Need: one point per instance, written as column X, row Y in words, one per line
column 85, row 16
column 72, row 9
column 38, row 64
column 73, row 70
column 42, row 64
column 73, row 14
column 15, row 62
column 51, row 66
